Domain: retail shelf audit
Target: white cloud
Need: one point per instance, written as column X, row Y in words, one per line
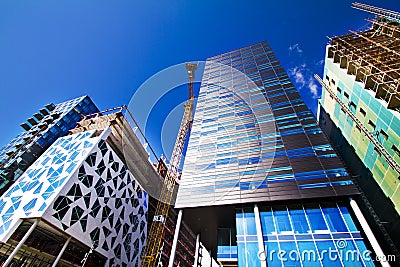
column 301, row 74
column 298, row 75
column 296, row 48
column 303, row 78
column 320, row 62
column 313, row 87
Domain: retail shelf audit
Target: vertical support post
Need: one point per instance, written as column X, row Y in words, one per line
column 261, row 250
column 18, row 247
column 368, row 232
column 196, row 252
column 175, row 241
column 61, row 252
column 319, row 109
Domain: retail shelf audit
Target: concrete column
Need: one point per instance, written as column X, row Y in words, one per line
column 61, row 252
column 368, row 232
column 196, row 252
column 260, row 240
column 18, row 247
column 175, row 241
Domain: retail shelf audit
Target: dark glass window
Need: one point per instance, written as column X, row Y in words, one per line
column 347, row 217
column 282, row 221
column 250, row 224
column 299, row 221
column 370, row 123
column 315, row 218
column 396, row 150
column 384, row 134
column 267, row 222
column 334, row 219
column 363, row 112
column 223, row 236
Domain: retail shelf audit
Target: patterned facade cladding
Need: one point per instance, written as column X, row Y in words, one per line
column 373, row 113
column 253, row 138
column 62, row 109
column 80, row 186
column 44, row 128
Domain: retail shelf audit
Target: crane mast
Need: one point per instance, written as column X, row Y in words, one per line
column 154, row 239
column 185, row 123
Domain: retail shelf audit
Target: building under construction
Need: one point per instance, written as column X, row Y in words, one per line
column 360, row 112
column 116, row 168
column 90, row 207
column 128, row 142
column 77, row 204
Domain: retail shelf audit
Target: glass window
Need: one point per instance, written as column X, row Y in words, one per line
column 334, row 219
column 282, row 221
column 71, row 167
column 239, row 223
column 328, row 253
column 348, row 252
column 315, row 218
column 396, row 150
column 308, row 253
column 364, row 252
column 299, row 221
column 223, row 236
column 347, row 217
column 267, row 222
column 272, row 250
column 252, row 255
column 292, row 256
column 250, row 223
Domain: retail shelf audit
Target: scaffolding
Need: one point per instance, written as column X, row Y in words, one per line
column 373, row 55
column 389, row 14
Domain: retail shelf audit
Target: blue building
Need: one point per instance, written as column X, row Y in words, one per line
column 76, row 203
column 261, row 183
column 40, row 131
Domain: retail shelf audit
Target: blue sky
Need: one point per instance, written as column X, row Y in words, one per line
column 51, row 51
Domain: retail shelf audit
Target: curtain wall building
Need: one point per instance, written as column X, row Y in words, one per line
column 260, row 175
column 360, row 112
column 40, row 131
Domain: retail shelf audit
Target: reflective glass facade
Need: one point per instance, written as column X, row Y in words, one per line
column 253, row 138
column 41, row 130
column 301, row 235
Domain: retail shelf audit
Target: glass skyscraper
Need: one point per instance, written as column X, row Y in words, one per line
column 259, row 175
column 254, row 137
column 40, row 131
